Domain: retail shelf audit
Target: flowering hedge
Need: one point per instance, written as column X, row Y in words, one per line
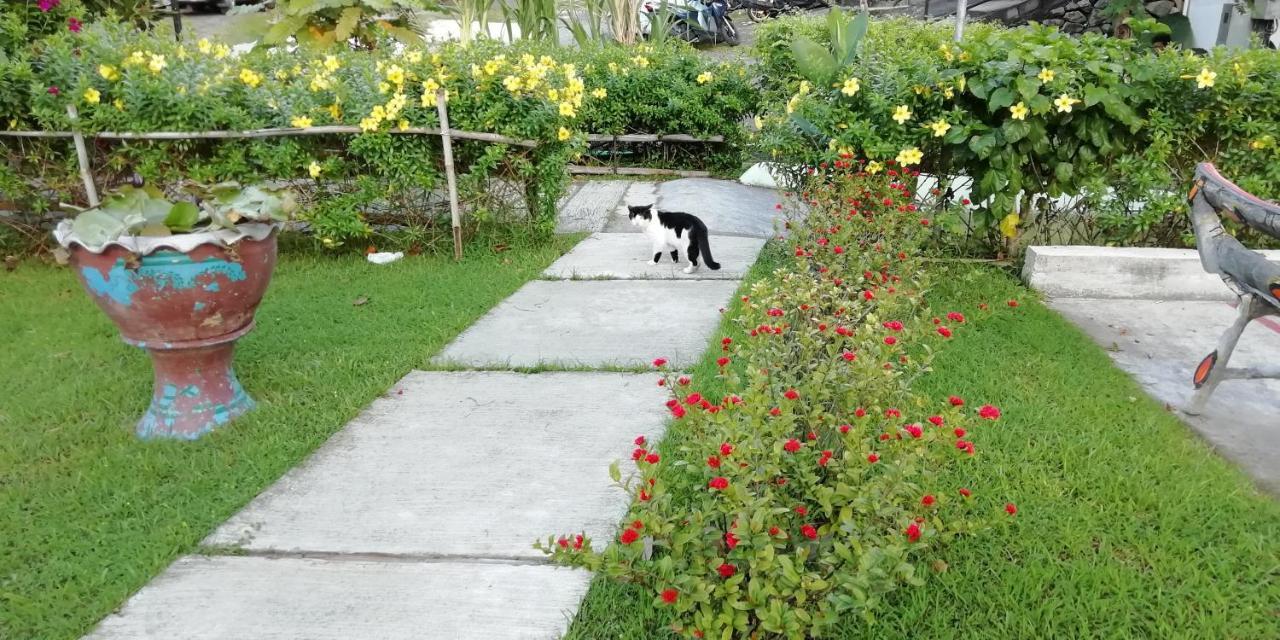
column 1034, row 110
column 810, row 489
column 121, row 80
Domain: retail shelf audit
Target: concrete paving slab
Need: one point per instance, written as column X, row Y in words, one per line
column 470, row 464
column 1124, row 272
column 595, row 323
column 728, row 207
column 625, row 256
column 590, row 206
column 241, row 598
column 1160, row 342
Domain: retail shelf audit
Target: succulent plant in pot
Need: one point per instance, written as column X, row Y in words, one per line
column 181, row 277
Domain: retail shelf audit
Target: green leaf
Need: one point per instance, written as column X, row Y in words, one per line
column 615, row 474
column 982, row 145
column 182, row 216
column 813, row 61
column 1015, row 130
column 281, row 31
column 1093, row 94
column 347, row 23
column 1027, row 86
column 1063, row 171
column 96, row 227
column 1000, row 98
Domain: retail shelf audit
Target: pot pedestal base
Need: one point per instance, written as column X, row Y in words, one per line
column 196, row 390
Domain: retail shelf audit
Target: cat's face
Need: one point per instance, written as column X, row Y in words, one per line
column 640, row 215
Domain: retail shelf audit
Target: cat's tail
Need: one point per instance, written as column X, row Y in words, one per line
column 705, row 247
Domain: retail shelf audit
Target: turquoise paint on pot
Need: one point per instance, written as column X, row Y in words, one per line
column 177, row 270
column 118, row 284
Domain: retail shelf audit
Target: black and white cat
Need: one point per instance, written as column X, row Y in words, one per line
column 671, row 230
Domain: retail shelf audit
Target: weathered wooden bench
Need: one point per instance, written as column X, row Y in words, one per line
column 1246, row 272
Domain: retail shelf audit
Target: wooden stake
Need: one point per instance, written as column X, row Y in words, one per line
column 82, row 155
column 447, row 140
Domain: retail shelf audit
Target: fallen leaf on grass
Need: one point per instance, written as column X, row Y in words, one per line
column 359, row 302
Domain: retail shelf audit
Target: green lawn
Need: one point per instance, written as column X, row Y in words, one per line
column 88, row 514
column 1128, row 525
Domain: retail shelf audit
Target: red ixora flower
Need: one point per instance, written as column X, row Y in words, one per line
column 988, row 412
column 639, row 441
column 944, row 332
column 893, row 325
column 960, row 432
column 860, row 412
column 844, row 428
column 936, row 420
column 1010, row 508
column 660, row 362
column 693, row 398
column 873, row 458
column 652, row 458
column 577, row 542
column 719, row 482
column 730, row 540
column 802, row 510
column 563, row 542
column 775, row 412
column 773, row 531
column 956, row 401
column 849, row 356
column 722, row 362
column 727, row 570
column 726, row 449
column 713, row 462
column 892, row 413
column 791, row 394
column 890, row 340
column 928, row 500
column 683, row 381
column 53, row 91
column 792, row 446
column 1013, row 303
column 669, row 596
column 913, row 532
column 965, row 492
column 73, row 25
column 677, row 411
column 956, row 317
column 809, row 532
column 629, row 535
column 914, row 430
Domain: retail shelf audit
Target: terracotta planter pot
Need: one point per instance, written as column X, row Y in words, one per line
column 186, row 299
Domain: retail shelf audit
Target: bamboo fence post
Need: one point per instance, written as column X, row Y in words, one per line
column 447, row 141
column 82, row 155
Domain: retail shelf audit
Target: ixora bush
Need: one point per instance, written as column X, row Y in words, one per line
column 182, row 279
column 1088, row 139
column 810, row 490
column 121, row 80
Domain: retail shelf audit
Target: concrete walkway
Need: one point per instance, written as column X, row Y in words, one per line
column 1157, row 313
column 416, row 521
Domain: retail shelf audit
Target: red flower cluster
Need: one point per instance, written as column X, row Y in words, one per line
column 792, row 446
column 988, row 412
column 913, row 532
column 719, row 482
column 809, row 532
column 669, row 596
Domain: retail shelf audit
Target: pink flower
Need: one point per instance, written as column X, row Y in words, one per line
column 652, row 458
column 47, row 5
column 73, row 25
column 639, row 441
column 892, row 413
column 660, row 362
column 956, row 317
column 683, row 381
column 693, row 398
column 53, row 91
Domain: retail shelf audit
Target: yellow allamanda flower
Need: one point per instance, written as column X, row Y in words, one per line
column 640, row 61
column 613, row 67
column 1019, row 111
column 567, row 110
column 250, row 78
column 414, row 57
column 1262, row 143
column 384, row 87
column 960, row 83
column 204, row 46
column 319, row 83
column 1064, row 102
column 793, row 103
column 901, row 114
column 403, row 125
column 221, row 51
column 369, row 124
column 395, row 75
column 1009, row 225
column 301, row 122
column 281, row 74
column 946, row 53
column 335, row 111
column 157, row 63
column 92, row 96
column 851, row 87
column 1046, row 75
column 599, row 93
column 1206, row 78
column 939, row 127
column 563, row 134
column 331, row 63
column 874, row 167
column 909, row 156
column 964, row 56
column 314, row 169
column 182, row 52
column 805, row 87
column 108, row 72
column 491, row 67
column 948, row 93
column 512, row 83
column 705, row 77
column 759, row 122
column 553, row 94
column 137, row 57
column 118, row 104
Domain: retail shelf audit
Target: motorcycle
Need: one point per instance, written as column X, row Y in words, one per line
column 694, row 21
column 761, row 10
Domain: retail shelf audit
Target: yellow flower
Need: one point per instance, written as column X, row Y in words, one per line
column 429, row 89
column 599, row 93
column 250, row 78
column 182, row 52
column 319, row 83
column 566, row 109
column 331, row 63
column 335, row 111
column 563, row 134
column 92, row 96
column 613, row 67
column 221, row 51
column 297, row 70
column 491, row 67
column 384, row 87
column 948, row 93
column 1019, row 111
column 759, row 122
column 118, row 104
column 553, row 94
column 378, row 112
column 512, row 83
column 157, row 63
column 301, row 122
column 1064, row 102
column 946, row 53
column 1009, row 225
column 1262, row 143
column 369, row 124
column 314, row 169
column 640, row 61
column 705, row 77
column 960, row 82
column 1046, row 75
column 137, row 57
column 204, row 46
column 901, row 114
column 793, row 103
column 1206, row 78
column 874, row 167
column 281, row 74
column 964, row 56
column 851, row 87
column 940, row 128
column 108, row 72
column 414, row 57
column 805, row 87
column 403, row 125
column 395, row 74
column 910, row 156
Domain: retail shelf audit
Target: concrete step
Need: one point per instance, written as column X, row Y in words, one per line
column 625, row 256
column 1124, row 272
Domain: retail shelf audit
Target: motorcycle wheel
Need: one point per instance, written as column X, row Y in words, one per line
column 759, row 15
column 728, row 32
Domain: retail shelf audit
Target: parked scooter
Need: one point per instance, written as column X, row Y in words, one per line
column 761, row 10
column 695, row 21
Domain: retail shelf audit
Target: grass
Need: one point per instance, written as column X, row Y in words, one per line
column 1129, row 525
column 88, row 514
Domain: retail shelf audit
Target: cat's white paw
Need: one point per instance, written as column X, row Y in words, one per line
column 651, row 263
column 689, row 269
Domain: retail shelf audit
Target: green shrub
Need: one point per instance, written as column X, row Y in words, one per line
column 1087, row 139
column 817, row 471
column 121, row 80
